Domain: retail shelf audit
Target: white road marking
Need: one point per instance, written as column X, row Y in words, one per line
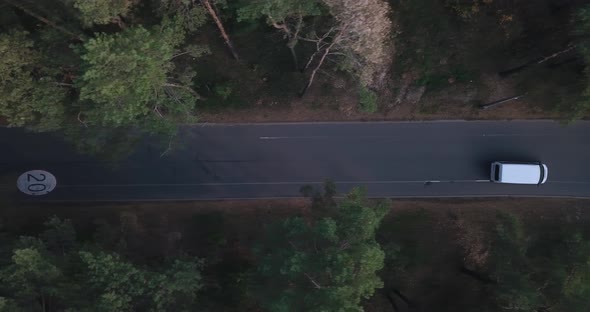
column 274, row 183
column 9, row 186
column 391, row 137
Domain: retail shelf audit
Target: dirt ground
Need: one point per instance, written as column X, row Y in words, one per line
column 243, row 220
column 510, row 111
column 241, row 213
column 457, row 101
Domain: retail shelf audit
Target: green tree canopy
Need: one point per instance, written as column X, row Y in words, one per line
column 277, row 11
column 102, row 11
column 29, row 95
column 536, row 271
column 510, row 268
column 31, row 275
column 324, row 265
column 127, row 78
column 55, row 272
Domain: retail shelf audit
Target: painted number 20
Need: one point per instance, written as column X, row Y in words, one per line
column 36, row 187
column 36, row 182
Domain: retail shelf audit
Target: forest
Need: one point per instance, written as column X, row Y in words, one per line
column 318, row 254
column 95, row 69
column 105, row 73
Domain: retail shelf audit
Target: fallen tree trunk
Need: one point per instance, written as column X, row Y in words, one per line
column 217, row 20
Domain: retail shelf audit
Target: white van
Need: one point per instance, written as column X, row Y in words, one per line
column 519, row 173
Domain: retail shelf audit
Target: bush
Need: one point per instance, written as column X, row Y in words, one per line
column 367, row 100
column 223, row 90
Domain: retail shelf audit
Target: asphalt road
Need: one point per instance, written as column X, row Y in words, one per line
column 392, row 159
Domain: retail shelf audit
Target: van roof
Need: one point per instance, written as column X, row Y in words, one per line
column 521, row 173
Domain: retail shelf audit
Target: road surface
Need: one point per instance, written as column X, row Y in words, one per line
column 392, row 159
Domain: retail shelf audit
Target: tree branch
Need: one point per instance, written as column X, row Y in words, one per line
column 321, row 61
column 318, row 286
column 44, row 20
column 81, row 121
column 179, row 54
column 556, row 54
column 173, row 85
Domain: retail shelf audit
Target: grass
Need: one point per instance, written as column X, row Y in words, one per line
column 367, row 100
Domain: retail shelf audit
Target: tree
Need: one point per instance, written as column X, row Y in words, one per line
column 59, row 235
column 559, row 261
column 125, row 287
column 128, row 79
column 51, row 273
column 178, row 286
column 355, row 35
column 115, row 281
column 29, row 95
column 365, row 41
column 24, row 7
column 102, row 11
column 284, row 15
column 514, row 289
column 539, row 271
column 328, row 264
column 192, row 15
column 32, row 278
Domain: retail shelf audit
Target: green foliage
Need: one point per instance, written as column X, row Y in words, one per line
column 109, row 274
column 325, row 265
column 30, row 275
column 224, row 91
column 8, row 305
column 191, row 14
column 59, row 235
column 548, row 270
column 367, row 100
column 29, row 96
column 178, row 285
column 102, row 11
column 126, row 78
column 277, row 10
column 127, row 288
column 515, row 289
column 53, row 273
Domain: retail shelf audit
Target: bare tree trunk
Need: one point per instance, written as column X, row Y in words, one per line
column 498, row 102
column 119, row 21
column 294, row 56
column 402, row 297
column 556, row 54
column 293, row 42
column 314, row 71
column 391, row 300
column 477, row 276
column 190, row 90
column 44, row 20
column 327, row 49
column 541, row 60
column 211, row 10
column 318, row 286
column 43, row 302
column 292, row 37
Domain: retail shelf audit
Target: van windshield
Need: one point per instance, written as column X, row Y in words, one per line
column 497, row 173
